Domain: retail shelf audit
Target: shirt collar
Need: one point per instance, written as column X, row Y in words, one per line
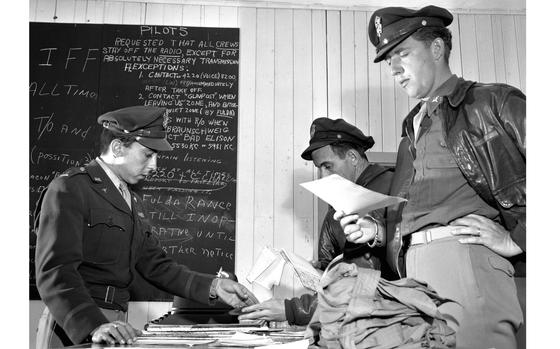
column 112, row 176
column 444, row 89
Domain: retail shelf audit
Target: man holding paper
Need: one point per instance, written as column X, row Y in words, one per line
column 335, row 147
column 461, row 165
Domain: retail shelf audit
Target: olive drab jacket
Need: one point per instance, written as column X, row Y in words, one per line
column 88, row 241
column 484, row 128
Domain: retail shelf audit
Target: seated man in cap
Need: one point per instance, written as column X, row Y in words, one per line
column 335, row 147
column 461, row 165
column 91, row 232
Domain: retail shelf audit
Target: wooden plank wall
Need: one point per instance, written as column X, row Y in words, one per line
column 296, row 65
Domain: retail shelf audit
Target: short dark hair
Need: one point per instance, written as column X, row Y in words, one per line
column 429, row 34
column 107, row 137
column 340, row 149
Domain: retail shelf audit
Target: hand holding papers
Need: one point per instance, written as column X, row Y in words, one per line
column 349, row 197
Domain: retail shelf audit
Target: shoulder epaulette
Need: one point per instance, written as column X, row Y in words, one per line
column 74, row 171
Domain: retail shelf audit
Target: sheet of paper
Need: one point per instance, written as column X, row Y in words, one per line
column 301, row 344
column 308, row 275
column 347, row 196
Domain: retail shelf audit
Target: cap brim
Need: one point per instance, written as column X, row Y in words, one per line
column 381, row 53
column 159, row 144
column 306, row 155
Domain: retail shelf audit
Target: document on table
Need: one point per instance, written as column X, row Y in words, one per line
column 347, row 196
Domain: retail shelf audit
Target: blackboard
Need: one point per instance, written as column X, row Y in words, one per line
column 79, row 71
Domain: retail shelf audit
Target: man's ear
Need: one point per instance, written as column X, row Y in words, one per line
column 353, row 155
column 117, row 147
column 438, row 49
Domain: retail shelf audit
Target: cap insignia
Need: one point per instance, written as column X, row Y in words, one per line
column 378, row 27
column 312, row 130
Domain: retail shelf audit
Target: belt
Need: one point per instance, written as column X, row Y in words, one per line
column 429, row 235
column 109, row 297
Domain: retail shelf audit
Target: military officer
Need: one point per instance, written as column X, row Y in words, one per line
column 92, row 231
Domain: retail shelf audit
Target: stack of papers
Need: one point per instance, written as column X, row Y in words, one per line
column 245, row 340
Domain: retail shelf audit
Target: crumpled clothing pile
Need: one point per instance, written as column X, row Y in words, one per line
column 359, row 309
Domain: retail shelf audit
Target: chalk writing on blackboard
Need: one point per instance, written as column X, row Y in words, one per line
column 78, row 72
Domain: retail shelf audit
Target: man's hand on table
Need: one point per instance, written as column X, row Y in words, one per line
column 115, row 332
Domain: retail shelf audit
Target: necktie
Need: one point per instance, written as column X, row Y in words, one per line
column 125, row 193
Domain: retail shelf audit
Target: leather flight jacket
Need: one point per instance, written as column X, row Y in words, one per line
column 484, row 128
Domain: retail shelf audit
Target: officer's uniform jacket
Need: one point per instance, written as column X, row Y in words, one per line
column 88, row 239
column 484, row 129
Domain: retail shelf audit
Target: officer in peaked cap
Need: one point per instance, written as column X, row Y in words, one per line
column 390, row 26
column 147, row 124
column 92, row 233
column 325, row 131
column 335, row 147
column 466, row 194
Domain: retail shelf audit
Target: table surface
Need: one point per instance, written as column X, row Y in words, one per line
column 284, row 336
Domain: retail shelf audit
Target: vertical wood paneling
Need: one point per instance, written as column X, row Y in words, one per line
column 244, row 237
column 33, row 10
column 304, row 242
column 469, row 53
column 388, row 112
column 455, row 56
column 520, row 39
column 113, row 12
column 264, row 132
column 191, row 15
column 334, row 93
column 510, row 51
column 172, row 14
column 45, row 10
column 134, row 13
column 65, row 11
column 498, row 49
column 320, row 98
column 228, row 17
column 283, row 140
column 95, row 11
column 319, row 62
column 374, row 95
column 347, row 67
column 211, row 16
column 360, row 70
column 154, row 13
column 486, row 69
column 80, row 10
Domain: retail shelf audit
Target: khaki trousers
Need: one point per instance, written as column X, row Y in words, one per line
column 50, row 335
column 488, row 314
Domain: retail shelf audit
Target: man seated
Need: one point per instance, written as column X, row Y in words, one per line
column 335, row 147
